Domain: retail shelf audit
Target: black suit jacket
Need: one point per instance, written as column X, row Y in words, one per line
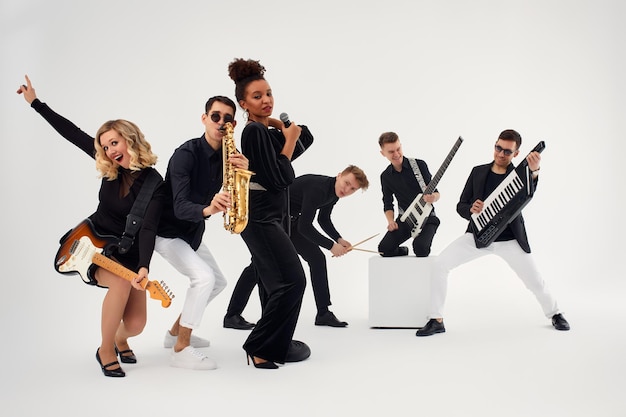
column 475, row 190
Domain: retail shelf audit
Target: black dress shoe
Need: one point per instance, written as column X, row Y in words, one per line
column 432, row 327
column 117, row 372
column 126, row 356
column 400, row 251
column 559, row 322
column 297, row 352
column 237, row 322
column 329, row 319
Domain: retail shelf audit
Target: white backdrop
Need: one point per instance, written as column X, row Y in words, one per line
column 431, row 71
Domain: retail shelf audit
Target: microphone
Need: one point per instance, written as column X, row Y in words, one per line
column 284, row 117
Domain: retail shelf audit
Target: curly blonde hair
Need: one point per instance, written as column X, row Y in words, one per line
column 139, row 148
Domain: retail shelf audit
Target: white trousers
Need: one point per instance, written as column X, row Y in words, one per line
column 205, row 278
column 463, row 250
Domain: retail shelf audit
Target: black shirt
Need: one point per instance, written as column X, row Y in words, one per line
column 308, row 194
column 403, row 185
column 272, row 170
column 193, row 177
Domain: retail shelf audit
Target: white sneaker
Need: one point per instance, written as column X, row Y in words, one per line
column 191, row 358
column 196, row 341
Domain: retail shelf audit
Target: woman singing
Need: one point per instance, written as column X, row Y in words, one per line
column 270, row 146
column 125, row 160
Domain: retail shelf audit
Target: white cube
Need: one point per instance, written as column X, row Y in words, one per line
column 399, row 291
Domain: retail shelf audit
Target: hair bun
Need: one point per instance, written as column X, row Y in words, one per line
column 240, row 69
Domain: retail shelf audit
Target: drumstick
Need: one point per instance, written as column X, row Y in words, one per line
column 365, row 250
column 363, row 241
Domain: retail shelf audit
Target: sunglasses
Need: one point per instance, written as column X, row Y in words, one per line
column 507, row 152
column 216, row 117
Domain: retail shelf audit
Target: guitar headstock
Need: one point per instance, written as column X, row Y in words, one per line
column 160, row 291
column 540, row 147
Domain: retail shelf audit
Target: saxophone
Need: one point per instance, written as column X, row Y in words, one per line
column 236, row 182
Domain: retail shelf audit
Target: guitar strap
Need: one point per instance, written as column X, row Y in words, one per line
column 418, row 173
column 420, row 179
column 135, row 217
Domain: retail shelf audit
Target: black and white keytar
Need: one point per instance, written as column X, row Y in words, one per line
column 504, row 203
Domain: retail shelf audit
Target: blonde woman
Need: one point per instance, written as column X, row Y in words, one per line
column 124, row 160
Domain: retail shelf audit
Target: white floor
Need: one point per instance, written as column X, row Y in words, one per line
column 499, row 357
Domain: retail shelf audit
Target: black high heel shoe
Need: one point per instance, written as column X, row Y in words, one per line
column 126, row 358
column 261, row 365
column 117, row 372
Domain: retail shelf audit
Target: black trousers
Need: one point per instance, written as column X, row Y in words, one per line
column 421, row 244
column 281, row 281
column 315, row 258
column 241, row 293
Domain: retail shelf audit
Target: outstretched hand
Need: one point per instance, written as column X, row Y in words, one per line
column 28, row 91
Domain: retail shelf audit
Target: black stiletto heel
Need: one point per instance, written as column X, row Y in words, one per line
column 261, row 365
column 117, row 372
column 126, row 358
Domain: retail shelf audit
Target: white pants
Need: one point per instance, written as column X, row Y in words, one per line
column 205, row 278
column 463, row 250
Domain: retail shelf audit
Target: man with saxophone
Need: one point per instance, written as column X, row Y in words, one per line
column 194, row 178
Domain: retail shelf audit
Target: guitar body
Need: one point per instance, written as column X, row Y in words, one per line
column 83, row 250
column 416, row 215
column 77, row 250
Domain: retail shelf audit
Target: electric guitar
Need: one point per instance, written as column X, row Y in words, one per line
column 82, row 248
column 419, row 210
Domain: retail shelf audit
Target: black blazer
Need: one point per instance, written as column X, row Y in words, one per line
column 475, row 190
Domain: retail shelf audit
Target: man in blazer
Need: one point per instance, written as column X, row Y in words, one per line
column 511, row 245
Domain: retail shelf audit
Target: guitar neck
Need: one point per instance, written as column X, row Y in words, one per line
column 112, row 266
column 154, row 289
column 435, row 180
